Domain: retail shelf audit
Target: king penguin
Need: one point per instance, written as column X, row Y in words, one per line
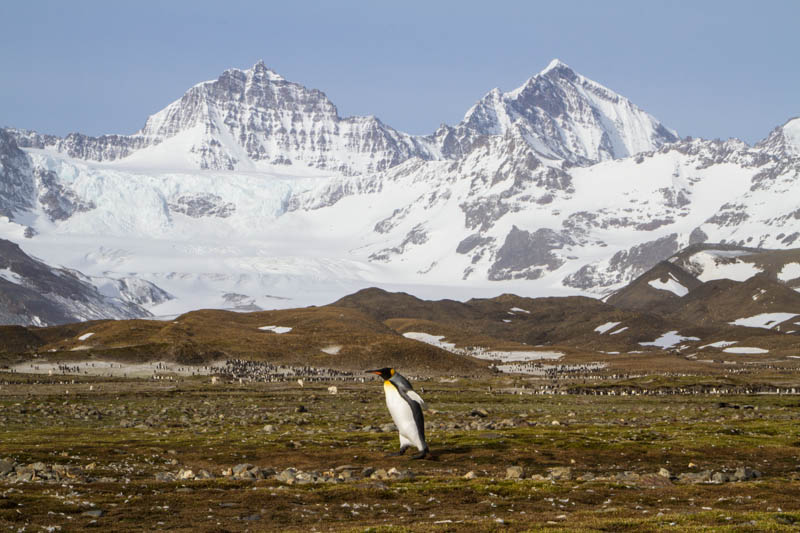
column 405, row 406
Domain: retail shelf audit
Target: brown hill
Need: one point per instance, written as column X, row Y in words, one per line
column 723, row 301
column 352, row 340
column 771, row 263
column 563, row 321
column 656, row 290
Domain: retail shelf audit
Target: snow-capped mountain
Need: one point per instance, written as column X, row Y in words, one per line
column 250, row 191
column 32, row 292
column 564, row 115
column 783, row 141
column 248, row 120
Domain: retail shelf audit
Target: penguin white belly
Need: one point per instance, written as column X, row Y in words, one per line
column 403, row 417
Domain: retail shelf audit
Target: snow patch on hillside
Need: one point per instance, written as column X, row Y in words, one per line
column 718, row 344
column 763, row 320
column 605, row 327
column 672, row 285
column 745, row 350
column 276, row 329
column 789, row 271
column 9, row 275
column 668, row 340
column 720, row 265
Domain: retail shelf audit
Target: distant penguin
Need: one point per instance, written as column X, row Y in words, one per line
column 405, row 406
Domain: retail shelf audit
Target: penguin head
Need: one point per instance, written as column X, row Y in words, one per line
column 386, row 373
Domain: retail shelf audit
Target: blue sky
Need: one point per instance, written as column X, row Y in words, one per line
column 707, row 69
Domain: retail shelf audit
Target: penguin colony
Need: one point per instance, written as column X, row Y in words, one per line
column 405, row 406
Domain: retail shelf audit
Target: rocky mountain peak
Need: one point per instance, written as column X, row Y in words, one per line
column 261, row 71
column 783, row 140
column 557, row 68
column 569, row 117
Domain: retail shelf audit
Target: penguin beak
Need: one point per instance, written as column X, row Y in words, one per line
column 373, row 372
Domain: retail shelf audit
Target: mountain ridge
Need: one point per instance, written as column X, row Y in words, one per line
column 252, row 189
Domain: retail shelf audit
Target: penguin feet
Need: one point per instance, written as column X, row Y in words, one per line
column 401, row 451
column 421, row 455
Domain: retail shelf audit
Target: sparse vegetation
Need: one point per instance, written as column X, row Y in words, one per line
column 115, row 454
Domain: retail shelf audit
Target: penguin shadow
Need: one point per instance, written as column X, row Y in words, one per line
column 492, row 443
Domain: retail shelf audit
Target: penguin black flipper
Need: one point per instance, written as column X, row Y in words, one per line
column 416, row 410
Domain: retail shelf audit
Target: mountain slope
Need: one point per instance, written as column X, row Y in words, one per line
column 32, row 292
column 567, row 116
column 656, row 290
column 251, row 192
column 246, row 120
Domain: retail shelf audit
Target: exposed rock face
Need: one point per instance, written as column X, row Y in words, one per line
column 17, row 189
column 77, row 145
column 202, row 205
column 32, row 292
column 528, row 255
column 783, row 141
column 624, row 265
column 470, row 242
column 253, row 116
column 570, row 117
column 56, row 200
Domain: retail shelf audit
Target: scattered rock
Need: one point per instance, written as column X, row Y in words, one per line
column 515, row 472
column 470, row 475
column 287, row 475
column 744, row 473
column 720, row 477
column 165, row 476
column 238, row 469
column 695, row 477
column 560, row 473
column 482, row 413
column 654, row 481
column 6, row 467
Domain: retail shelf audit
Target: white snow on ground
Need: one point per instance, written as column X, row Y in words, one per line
column 605, row 327
column 745, row 350
column 9, row 275
column 669, row 339
column 672, row 285
column 506, row 320
column 718, row 344
column 276, row 329
column 434, row 340
column 763, row 320
column 620, row 330
column 711, row 267
column 518, row 310
column 332, row 350
column 482, row 353
column 85, row 336
column 789, row 271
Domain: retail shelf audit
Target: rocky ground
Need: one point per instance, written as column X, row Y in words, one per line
column 188, row 455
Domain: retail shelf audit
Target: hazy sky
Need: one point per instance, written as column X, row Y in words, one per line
column 705, row 68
